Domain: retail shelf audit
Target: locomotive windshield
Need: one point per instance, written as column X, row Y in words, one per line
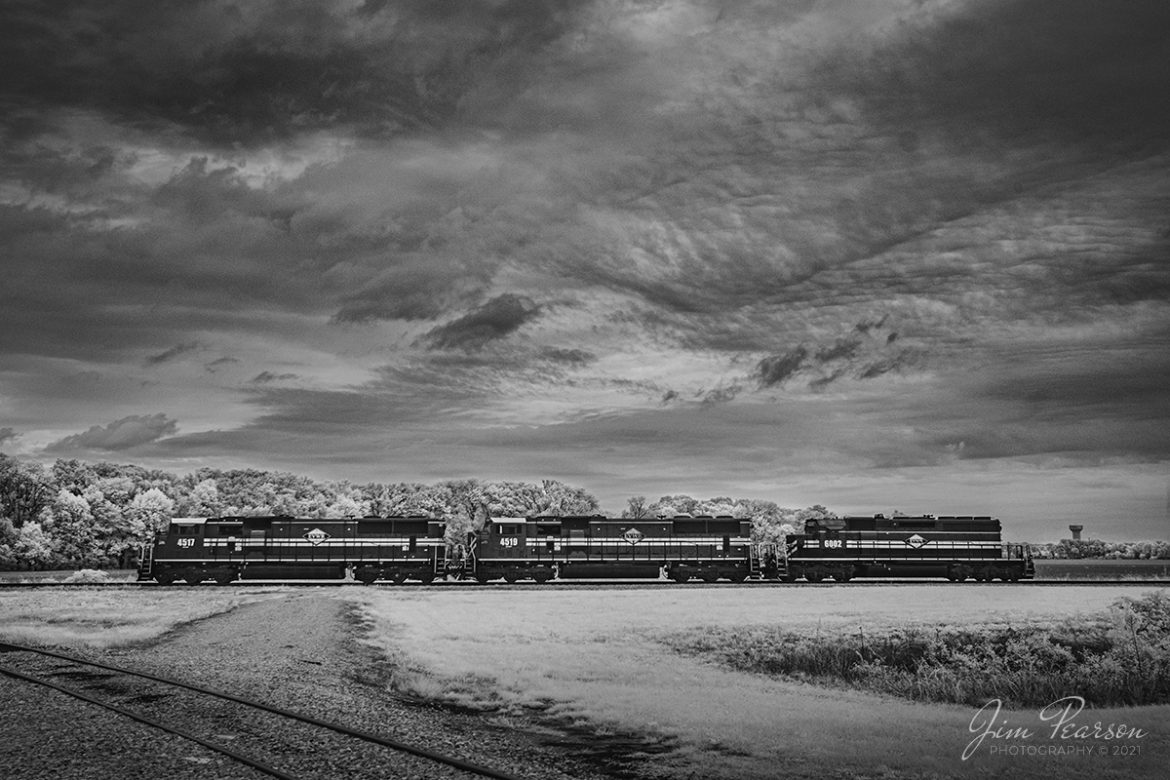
column 813, row 525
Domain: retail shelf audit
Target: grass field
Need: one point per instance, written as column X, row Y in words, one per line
column 608, row 664
column 604, row 659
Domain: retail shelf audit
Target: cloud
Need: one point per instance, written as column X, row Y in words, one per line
column 267, row 71
column 8, row 435
column 495, row 320
column 265, row 377
column 170, row 354
column 1093, row 79
column 777, row 369
column 414, row 290
column 220, row 363
column 571, row 357
column 124, row 434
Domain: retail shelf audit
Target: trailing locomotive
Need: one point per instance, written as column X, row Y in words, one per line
column 957, row 548
column 397, row 549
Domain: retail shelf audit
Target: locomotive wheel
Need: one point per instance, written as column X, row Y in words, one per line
column 193, row 579
column 481, row 578
column 226, row 578
column 814, row 576
column 739, row 576
column 710, row 576
column 542, row 576
column 680, row 575
column 511, row 575
column 427, row 579
column 165, row 578
column 366, row 578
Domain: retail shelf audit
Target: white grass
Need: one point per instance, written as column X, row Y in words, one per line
column 90, row 617
column 594, row 656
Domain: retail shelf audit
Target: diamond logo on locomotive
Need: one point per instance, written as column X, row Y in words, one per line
column 316, row 536
column 633, row 536
column 916, row 541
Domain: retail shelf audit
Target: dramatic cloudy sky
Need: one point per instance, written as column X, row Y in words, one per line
column 893, row 254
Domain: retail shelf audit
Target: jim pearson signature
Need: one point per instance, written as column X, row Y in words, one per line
column 1059, row 719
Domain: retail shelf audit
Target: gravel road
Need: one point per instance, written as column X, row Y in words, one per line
column 300, row 652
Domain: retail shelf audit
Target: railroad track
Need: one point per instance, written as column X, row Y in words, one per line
column 590, row 584
column 278, row 743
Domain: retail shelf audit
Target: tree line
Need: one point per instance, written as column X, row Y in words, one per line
column 1074, row 549
column 74, row 513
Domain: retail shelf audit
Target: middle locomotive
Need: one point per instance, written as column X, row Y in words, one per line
column 682, row 547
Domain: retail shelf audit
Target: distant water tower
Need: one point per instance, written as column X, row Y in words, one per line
column 1076, row 532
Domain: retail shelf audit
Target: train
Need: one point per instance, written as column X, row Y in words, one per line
column 395, row 550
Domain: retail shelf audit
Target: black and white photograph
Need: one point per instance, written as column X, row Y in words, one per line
column 584, row 389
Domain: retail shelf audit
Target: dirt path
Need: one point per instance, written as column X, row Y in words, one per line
column 302, row 652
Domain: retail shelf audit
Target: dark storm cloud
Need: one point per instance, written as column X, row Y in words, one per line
column 999, row 71
column 496, row 319
column 123, row 434
column 7, row 435
column 241, row 73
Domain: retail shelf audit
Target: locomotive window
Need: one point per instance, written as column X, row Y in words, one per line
column 185, row 530
column 510, row 530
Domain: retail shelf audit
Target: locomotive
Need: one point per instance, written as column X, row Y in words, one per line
column 682, row 547
column 957, row 548
column 397, row 549
column 224, row 549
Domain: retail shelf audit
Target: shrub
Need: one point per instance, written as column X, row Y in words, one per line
column 1120, row 658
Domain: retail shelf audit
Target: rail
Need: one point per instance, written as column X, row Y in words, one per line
column 392, row 744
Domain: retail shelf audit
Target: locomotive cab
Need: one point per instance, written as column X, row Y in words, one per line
column 516, row 548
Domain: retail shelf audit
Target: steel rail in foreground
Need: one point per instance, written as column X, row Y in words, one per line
column 456, row 763
column 213, row 746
